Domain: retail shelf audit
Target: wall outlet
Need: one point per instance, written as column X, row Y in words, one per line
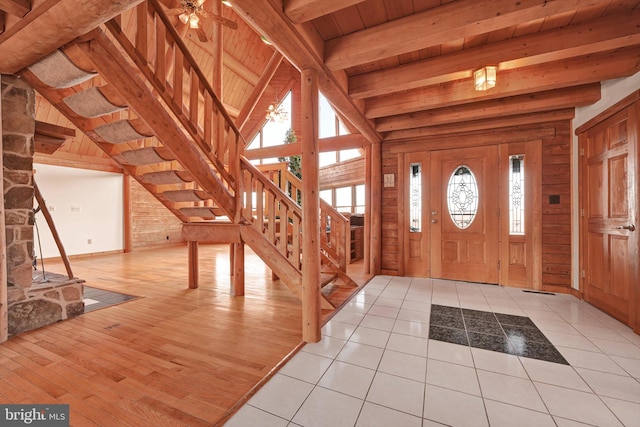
column 89, row 241
column 52, row 208
column 75, row 208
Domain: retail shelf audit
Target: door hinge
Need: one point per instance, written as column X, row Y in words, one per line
column 581, row 211
column 582, row 151
column 498, row 212
column 583, row 274
column 498, row 264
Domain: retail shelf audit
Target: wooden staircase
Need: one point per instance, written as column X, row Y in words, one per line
column 150, row 108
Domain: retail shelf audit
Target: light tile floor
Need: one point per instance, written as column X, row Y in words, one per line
column 375, row 366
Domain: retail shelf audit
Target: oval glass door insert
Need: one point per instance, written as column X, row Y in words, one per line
column 462, row 197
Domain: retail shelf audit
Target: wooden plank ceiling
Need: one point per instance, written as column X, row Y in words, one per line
column 396, row 69
column 407, row 64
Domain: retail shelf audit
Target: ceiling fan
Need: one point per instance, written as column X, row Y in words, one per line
column 192, row 13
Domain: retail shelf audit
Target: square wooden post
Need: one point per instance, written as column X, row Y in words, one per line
column 237, row 288
column 192, row 248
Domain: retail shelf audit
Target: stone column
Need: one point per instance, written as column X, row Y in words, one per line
column 29, row 305
column 18, row 122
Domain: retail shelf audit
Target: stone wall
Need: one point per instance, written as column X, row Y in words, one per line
column 30, row 305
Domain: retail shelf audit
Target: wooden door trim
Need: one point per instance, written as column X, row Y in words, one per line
column 403, row 212
column 619, row 106
column 532, row 151
column 633, row 118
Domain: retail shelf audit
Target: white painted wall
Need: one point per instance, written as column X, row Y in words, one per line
column 86, row 206
column 613, row 91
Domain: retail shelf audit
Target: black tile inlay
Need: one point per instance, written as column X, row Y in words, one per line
column 498, row 343
column 447, row 321
column 446, row 310
column 484, row 316
column 454, row 336
column 504, row 333
column 510, row 319
column 491, row 328
column 104, row 298
column 524, row 334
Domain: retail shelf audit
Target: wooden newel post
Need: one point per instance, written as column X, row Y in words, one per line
column 310, row 209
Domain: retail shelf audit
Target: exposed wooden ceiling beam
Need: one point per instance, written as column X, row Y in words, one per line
column 477, row 139
column 305, row 10
column 604, row 34
column 17, row 8
column 240, row 69
column 523, row 104
column 268, row 73
column 451, row 21
column 481, row 125
column 561, row 74
column 48, row 27
column 304, row 51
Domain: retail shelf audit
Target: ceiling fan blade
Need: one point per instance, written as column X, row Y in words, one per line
column 219, row 19
column 202, row 35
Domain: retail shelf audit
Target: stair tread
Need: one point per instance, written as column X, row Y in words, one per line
column 208, row 212
column 57, row 71
column 185, row 195
column 167, row 177
column 119, row 132
column 145, row 156
column 91, row 103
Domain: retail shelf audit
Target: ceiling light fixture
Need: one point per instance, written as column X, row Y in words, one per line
column 191, row 7
column 485, row 77
column 277, row 113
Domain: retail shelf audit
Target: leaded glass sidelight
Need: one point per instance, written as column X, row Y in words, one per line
column 516, row 194
column 415, row 197
column 462, row 197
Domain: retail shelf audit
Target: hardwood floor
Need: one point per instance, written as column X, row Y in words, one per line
column 174, row 356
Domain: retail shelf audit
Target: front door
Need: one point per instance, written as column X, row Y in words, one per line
column 463, row 214
column 609, row 207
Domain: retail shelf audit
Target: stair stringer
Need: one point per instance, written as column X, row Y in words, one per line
column 112, row 67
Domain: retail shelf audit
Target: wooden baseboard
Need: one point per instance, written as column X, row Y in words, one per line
column 81, row 256
column 576, row 293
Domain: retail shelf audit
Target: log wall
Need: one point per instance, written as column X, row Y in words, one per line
column 556, row 218
column 351, row 172
column 152, row 224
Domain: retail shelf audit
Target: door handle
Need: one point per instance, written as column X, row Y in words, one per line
column 630, row 227
column 434, row 221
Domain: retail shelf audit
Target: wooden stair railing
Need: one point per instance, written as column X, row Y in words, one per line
column 271, row 213
column 335, row 236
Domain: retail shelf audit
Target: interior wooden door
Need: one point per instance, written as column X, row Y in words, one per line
column 414, row 217
column 464, row 214
column 609, row 207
